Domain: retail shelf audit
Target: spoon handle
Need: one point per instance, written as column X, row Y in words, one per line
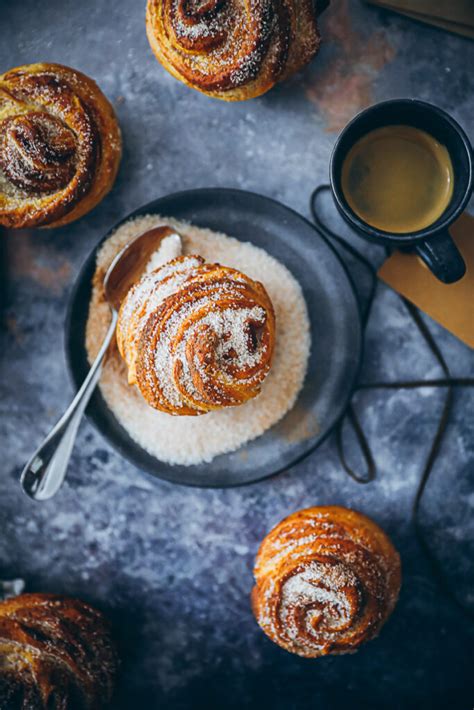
column 45, row 472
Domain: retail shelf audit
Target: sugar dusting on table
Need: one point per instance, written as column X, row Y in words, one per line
column 193, row 440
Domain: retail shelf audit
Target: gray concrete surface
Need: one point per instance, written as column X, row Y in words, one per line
column 171, row 565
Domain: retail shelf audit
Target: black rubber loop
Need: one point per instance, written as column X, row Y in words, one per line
column 447, row 383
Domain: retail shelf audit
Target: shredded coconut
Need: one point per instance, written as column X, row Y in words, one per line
column 170, row 248
column 191, row 440
column 322, row 586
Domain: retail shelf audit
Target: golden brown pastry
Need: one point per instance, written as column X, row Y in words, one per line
column 327, row 579
column 231, row 49
column 55, row 652
column 196, row 336
column 60, row 145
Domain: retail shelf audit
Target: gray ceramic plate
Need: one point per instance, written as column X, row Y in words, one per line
column 335, row 330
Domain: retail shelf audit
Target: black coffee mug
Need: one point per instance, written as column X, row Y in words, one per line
column 433, row 243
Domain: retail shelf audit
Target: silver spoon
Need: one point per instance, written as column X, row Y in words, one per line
column 44, row 473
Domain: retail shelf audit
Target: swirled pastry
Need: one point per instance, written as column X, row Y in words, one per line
column 231, row 49
column 60, row 145
column 196, row 336
column 327, row 579
column 56, row 653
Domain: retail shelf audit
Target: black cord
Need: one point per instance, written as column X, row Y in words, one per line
column 447, row 383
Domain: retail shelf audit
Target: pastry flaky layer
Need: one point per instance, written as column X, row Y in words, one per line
column 60, row 145
column 233, row 49
column 327, row 579
column 196, row 336
column 55, row 652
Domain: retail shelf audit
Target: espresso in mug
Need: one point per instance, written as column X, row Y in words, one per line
column 398, row 179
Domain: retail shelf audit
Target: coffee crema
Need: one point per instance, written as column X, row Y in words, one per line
column 398, row 179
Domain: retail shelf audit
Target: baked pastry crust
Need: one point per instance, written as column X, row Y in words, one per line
column 60, row 145
column 327, row 579
column 55, row 652
column 196, row 336
column 231, row 49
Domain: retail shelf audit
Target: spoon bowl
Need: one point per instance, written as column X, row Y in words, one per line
column 130, row 263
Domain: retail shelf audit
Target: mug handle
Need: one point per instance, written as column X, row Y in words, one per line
column 442, row 257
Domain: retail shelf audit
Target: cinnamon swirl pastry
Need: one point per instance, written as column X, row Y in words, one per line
column 327, row 579
column 60, row 145
column 196, row 336
column 231, row 49
column 55, row 652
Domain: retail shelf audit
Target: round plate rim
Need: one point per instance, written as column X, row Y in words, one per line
column 121, row 448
